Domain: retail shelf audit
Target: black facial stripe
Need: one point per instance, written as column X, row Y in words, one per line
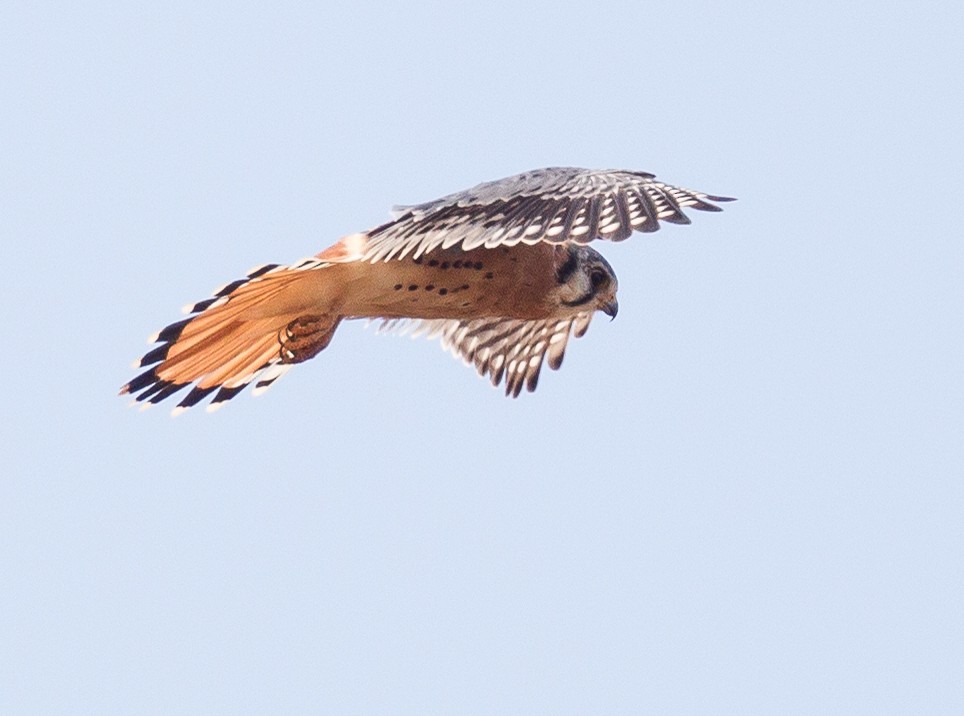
column 565, row 271
column 581, row 301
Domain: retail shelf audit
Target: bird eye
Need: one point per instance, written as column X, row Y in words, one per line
column 598, row 278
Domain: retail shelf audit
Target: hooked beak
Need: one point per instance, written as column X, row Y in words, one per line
column 610, row 309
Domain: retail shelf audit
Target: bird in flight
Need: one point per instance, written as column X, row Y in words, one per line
column 502, row 273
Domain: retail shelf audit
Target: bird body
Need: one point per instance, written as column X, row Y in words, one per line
column 447, row 282
column 501, row 273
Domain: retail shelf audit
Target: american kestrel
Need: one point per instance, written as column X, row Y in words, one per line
column 501, row 273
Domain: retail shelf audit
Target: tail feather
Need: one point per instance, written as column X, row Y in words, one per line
column 252, row 329
column 241, row 369
column 268, row 376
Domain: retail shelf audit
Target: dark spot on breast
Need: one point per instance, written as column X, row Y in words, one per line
column 413, row 287
column 430, row 287
column 442, row 291
column 477, row 265
column 398, row 286
column 464, row 287
column 488, row 275
column 457, row 264
column 418, row 260
column 445, row 265
column 433, row 262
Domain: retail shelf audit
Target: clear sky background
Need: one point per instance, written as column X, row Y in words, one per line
column 745, row 495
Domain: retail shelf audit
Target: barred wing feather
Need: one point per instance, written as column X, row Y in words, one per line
column 500, row 349
column 555, row 205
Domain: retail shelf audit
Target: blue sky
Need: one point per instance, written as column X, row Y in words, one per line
column 743, row 496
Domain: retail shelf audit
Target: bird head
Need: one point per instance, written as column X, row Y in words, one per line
column 586, row 280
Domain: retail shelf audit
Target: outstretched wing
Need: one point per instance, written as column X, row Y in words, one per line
column 500, row 348
column 555, row 205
